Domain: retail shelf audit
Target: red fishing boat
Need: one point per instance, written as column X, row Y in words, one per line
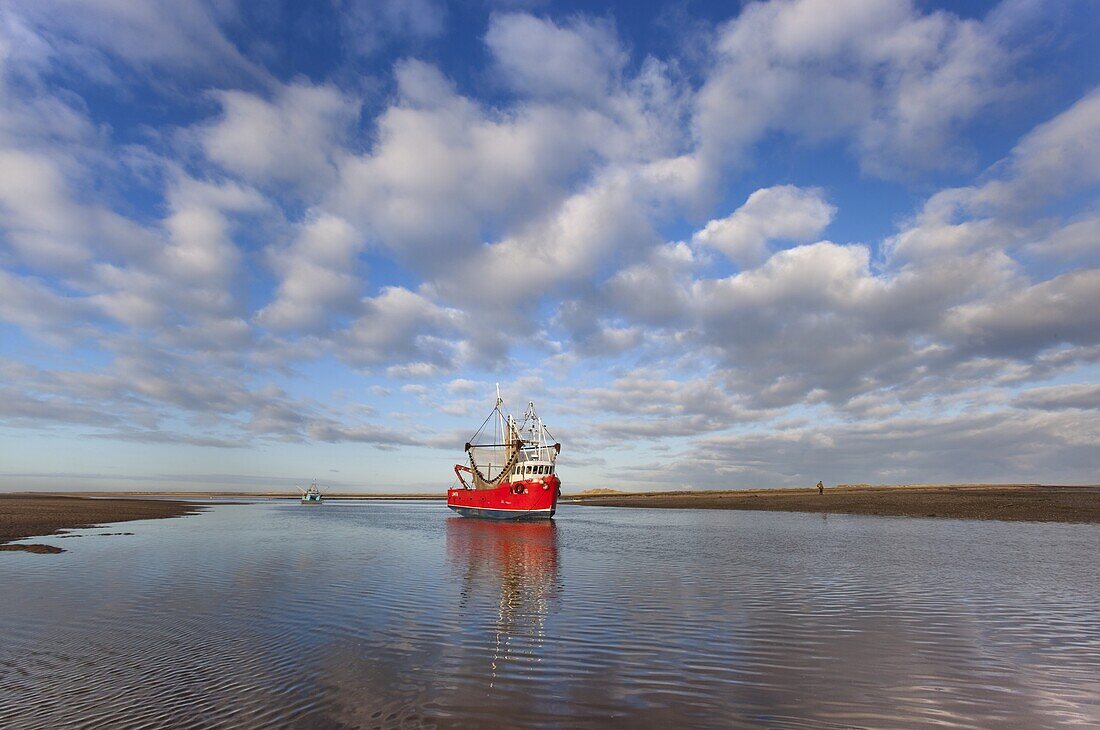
column 511, row 469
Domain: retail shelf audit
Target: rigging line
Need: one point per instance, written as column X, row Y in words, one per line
column 496, row 409
column 483, row 423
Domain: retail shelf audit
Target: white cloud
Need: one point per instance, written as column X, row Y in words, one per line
column 318, row 277
column 648, row 403
column 41, row 311
column 1077, row 240
column 187, row 37
column 656, row 290
column 44, row 226
column 180, row 284
column 567, row 245
column 1060, row 155
column 443, row 170
column 813, row 322
column 463, row 386
column 369, row 26
column 378, row 436
column 895, row 82
column 403, row 327
column 1062, row 310
column 540, row 58
column 1058, row 158
column 1084, row 396
column 31, row 116
column 296, row 137
column 1001, row 445
column 783, row 212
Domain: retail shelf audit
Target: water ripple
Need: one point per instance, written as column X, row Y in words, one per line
column 396, row 615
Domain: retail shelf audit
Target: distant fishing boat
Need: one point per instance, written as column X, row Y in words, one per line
column 511, row 477
column 311, row 495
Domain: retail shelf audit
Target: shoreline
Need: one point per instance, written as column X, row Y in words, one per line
column 44, row 515
column 1005, row 502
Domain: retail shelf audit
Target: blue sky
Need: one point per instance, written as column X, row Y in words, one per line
column 719, row 245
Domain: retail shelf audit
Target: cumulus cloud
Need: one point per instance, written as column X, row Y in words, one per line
column 296, row 137
column 564, row 246
column 1063, row 310
column 180, row 286
column 403, row 327
column 44, row 226
column 444, row 169
column 896, row 82
column 821, row 322
column 784, row 212
column 1061, row 154
column 538, row 57
column 462, row 386
column 318, row 276
column 1057, row 157
column 453, row 184
column 798, row 324
column 40, row 310
column 647, row 403
column 1077, row 240
column 667, row 270
column 378, row 436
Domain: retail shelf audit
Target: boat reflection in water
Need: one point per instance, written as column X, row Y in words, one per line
column 513, row 565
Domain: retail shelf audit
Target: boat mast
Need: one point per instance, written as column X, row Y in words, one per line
column 500, row 418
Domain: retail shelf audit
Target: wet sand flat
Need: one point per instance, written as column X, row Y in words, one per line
column 1013, row 502
column 24, row 516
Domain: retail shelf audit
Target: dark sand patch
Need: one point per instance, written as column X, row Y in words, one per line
column 1022, row 502
column 23, row 515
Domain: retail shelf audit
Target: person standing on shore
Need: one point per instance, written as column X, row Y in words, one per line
column 820, row 488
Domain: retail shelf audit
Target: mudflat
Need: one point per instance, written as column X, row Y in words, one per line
column 24, row 515
column 1013, row 502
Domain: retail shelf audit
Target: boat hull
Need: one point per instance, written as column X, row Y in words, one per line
column 526, row 500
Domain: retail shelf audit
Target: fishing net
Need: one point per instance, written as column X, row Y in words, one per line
column 491, row 464
column 493, row 455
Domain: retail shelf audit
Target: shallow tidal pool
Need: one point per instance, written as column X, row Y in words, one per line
column 363, row 614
